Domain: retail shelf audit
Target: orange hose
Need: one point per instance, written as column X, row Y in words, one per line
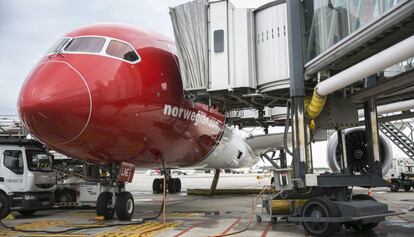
column 164, row 202
column 250, row 219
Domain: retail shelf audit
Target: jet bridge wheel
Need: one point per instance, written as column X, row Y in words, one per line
column 4, row 206
column 104, row 206
column 320, row 207
column 124, row 206
column 358, row 225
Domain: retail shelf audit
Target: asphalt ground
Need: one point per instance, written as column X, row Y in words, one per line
column 191, row 216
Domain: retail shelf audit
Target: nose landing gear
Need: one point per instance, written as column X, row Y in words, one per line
column 115, row 199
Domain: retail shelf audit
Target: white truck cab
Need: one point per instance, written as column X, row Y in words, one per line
column 27, row 181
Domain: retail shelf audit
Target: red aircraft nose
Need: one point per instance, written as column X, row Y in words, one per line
column 55, row 103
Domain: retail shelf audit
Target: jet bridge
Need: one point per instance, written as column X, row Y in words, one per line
column 319, row 62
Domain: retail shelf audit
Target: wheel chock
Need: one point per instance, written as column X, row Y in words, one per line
column 10, row 217
column 99, row 218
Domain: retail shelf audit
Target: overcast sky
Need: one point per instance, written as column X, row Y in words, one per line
column 29, row 27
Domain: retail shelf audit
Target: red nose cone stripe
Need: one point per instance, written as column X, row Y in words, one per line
column 58, row 108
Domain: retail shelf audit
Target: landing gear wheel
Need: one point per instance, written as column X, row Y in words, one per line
column 359, row 226
column 125, row 206
column 407, row 188
column 27, row 213
column 171, row 185
column 157, row 186
column 4, row 206
column 320, row 207
column 104, row 206
column 394, row 187
column 258, row 218
column 177, row 185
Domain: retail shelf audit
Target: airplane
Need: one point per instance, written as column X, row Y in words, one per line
column 112, row 95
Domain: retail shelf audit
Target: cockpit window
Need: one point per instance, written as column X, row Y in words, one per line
column 122, row 50
column 57, row 46
column 86, row 45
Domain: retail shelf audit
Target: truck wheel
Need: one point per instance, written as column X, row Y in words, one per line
column 27, row 213
column 4, row 206
column 104, row 206
column 125, row 206
column 177, row 185
column 394, row 186
column 320, row 207
column 65, row 196
column 407, row 188
column 359, row 226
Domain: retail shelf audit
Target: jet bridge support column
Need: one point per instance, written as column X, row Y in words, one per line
column 297, row 88
column 371, row 125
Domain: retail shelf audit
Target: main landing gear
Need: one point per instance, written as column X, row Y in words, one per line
column 173, row 184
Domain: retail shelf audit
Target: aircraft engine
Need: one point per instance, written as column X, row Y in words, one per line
column 357, row 151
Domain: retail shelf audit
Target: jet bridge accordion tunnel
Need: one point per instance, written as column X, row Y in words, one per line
column 302, row 58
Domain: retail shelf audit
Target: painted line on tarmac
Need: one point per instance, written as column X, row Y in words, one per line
column 231, row 226
column 267, row 228
column 194, row 226
column 405, row 219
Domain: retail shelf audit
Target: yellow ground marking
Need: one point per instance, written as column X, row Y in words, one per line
column 55, row 235
column 38, row 225
column 139, row 230
column 185, row 214
column 84, row 214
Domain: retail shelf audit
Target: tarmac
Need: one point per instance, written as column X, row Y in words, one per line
column 193, row 216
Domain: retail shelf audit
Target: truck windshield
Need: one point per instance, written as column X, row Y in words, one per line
column 38, row 161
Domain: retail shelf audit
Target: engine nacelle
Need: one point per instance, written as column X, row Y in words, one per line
column 357, row 151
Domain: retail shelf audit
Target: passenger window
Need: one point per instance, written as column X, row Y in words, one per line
column 218, row 41
column 13, row 160
column 122, row 50
column 86, row 45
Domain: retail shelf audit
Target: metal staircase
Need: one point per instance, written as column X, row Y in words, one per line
column 400, row 139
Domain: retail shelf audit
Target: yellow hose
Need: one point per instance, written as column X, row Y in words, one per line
column 316, row 105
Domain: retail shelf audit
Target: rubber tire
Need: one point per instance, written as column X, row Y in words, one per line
column 170, row 185
column 177, row 185
column 5, row 211
column 394, row 187
column 358, row 226
column 331, row 211
column 102, row 203
column 27, row 213
column 407, row 188
column 123, row 211
column 157, row 186
column 65, row 195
